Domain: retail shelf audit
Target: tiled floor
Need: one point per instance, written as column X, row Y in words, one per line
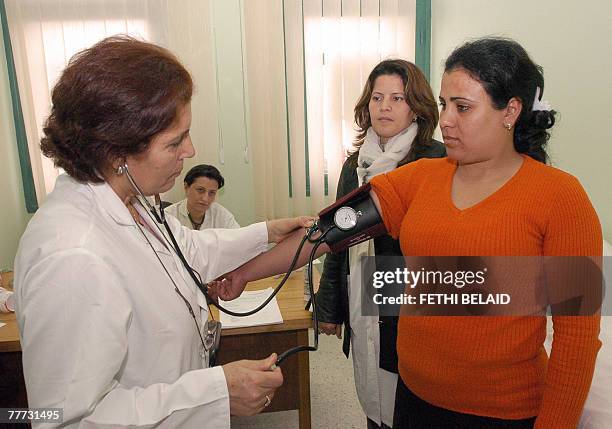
column 332, row 393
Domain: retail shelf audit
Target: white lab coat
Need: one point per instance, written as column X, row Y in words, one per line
column 216, row 216
column 375, row 386
column 104, row 334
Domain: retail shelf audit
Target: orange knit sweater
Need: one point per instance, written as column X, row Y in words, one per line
column 495, row 366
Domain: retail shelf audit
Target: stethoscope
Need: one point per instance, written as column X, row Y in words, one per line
column 160, row 219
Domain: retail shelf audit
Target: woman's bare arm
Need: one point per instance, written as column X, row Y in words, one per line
column 275, row 261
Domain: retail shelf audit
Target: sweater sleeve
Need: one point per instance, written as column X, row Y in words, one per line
column 394, row 192
column 573, row 230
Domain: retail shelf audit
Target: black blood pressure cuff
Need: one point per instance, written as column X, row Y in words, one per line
column 351, row 220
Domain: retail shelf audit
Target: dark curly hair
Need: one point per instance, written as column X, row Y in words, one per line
column 418, row 96
column 505, row 71
column 109, row 102
column 204, row 170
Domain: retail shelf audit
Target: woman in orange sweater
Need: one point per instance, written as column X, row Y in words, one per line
column 493, row 195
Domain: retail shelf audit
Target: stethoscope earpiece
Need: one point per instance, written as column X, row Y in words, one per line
column 122, row 169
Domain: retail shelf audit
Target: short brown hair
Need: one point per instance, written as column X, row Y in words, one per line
column 418, row 96
column 109, row 102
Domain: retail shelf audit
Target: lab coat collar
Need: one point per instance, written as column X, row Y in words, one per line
column 108, row 200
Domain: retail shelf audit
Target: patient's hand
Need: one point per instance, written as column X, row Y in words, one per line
column 227, row 287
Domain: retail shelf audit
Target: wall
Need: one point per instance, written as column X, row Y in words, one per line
column 237, row 195
column 219, row 130
column 572, row 41
column 13, row 216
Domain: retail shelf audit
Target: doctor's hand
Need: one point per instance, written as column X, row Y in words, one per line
column 251, row 384
column 330, row 329
column 280, row 229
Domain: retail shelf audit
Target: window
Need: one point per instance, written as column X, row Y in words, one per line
column 44, row 36
column 312, row 55
column 318, row 56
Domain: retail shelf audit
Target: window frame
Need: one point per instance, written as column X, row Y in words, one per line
column 29, row 190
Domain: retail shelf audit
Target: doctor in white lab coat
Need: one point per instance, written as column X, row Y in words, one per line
column 113, row 329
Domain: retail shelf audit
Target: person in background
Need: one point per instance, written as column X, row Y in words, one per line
column 199, row 210
column 396, row 116
column 113, row 329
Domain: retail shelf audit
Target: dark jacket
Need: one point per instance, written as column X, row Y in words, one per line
column 332, row 297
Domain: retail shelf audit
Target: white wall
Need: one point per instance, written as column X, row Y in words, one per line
column 216, row 120
column 572, row 40
column 13, row 216
column 237, row 195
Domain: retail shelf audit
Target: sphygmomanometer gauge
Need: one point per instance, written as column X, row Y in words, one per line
column 345, row 218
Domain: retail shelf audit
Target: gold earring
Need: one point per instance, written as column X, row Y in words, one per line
column 508, row 126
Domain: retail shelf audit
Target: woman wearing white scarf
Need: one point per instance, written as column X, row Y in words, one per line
column 396, row 117
column 373, row 160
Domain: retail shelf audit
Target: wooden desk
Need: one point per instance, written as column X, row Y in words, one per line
column 12, row 385
column 9, row 334
column 259, row 342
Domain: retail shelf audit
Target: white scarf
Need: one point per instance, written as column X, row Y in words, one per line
column 373, row 161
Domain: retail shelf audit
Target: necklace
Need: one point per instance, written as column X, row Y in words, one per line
column 196, row 225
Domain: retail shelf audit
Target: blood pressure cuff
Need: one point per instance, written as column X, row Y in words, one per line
column 368, row 224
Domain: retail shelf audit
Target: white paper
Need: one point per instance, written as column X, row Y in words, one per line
column 2, row 324
column 250, row 299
